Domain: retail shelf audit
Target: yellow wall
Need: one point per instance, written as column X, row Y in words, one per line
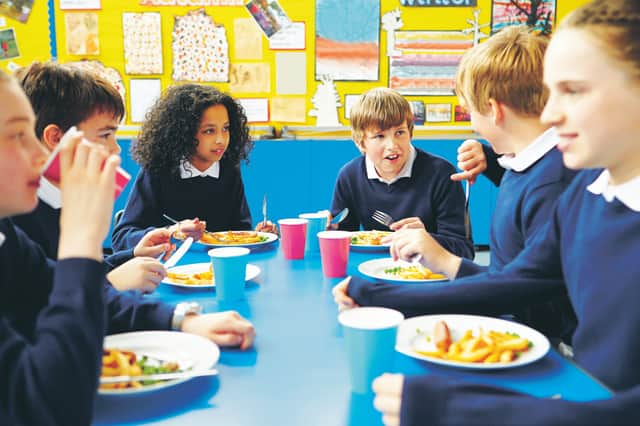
column 33, row 39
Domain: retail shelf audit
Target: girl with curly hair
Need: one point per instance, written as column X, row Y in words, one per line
column 189, row 150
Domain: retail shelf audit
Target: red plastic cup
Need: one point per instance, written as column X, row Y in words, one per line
column 293, row 233
column 334, row 251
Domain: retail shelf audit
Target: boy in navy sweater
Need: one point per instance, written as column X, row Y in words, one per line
column 506, row 109
column 394, row 177
column 63, row 96
column 588, row 249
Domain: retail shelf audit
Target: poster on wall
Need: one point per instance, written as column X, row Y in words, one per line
column 142, row 38
column 439, row 3
column 417, row 108
column 191, row 3
column 8, row 44
column 247, row 40
column 438, row 113
column 347, row 40
column 250, row 77
column 82, row 33
column 269, row 16
column 80, row 4
column 256, row 109
column 461, row 114
column 143, row 94
column 16, row 9
column 200, row 48
column 290, row 38
column 539, row 15
column 427, row 61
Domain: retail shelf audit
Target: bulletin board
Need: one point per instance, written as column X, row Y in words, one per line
column 277, row 81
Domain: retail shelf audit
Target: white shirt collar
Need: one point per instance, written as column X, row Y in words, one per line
column 628, row 193
column 188, row 171
column 49, row 193
column 405, row 172
column 532, row 153
column 2, row 238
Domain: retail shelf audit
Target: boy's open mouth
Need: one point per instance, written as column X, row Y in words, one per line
column 392, row 157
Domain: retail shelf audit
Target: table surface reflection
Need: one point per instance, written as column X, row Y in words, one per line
column 297, row 373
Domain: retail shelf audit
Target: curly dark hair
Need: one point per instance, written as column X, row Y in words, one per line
column 168, row 136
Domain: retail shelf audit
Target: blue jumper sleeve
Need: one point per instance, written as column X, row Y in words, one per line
column 131, row 311
column 434, row 400
column 469, row 267
column 494, row 171
column 118, row 258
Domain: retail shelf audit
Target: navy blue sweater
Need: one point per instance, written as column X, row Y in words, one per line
column 43, row 226
column 220, row 202
column 429, row 194
column 52, row 323
column 589, row 247
column 494, row 170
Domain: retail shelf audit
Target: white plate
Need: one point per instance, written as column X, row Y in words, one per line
column 188, row 350
column 268, row 235
column 409, row 339
column 252, row 272
column 368, row 247
column 375, row 269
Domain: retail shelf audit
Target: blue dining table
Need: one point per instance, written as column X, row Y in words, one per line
column 296, row 373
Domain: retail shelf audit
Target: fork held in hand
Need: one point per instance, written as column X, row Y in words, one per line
column 382, row 217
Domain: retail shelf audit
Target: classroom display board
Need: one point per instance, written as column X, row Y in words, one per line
column 289, row 62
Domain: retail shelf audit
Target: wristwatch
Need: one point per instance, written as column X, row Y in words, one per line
column 181, row 310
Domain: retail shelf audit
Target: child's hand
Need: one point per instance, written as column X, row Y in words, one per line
column 471, row 161
column 388, row 390
column 223, row 328
column 87, row 186
column 341, row 297
column 407, row 223
column 267, row 227
column 139, row 273
column 194, row 228
column 154, row 243
column 406, row 243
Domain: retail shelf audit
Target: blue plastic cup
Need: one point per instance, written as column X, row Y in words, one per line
column 317, row 223
column 229, row 271
column 370, row 338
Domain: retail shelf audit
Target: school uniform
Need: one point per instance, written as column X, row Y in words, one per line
column 423, row 188
column 494, row 170
column 215, row 196
column 42, row 225
column 589, row 248
column 53, row 317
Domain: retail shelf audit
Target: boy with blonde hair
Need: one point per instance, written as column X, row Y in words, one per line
column 394, row 177
column 500, row 83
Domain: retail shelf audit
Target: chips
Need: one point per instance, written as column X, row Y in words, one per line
column 196, row 278
column 118, row 362
column 369, row 238
column 413, row 272
column 232, row 238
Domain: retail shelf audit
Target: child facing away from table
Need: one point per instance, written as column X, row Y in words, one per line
column 63, row 96
column 394, row 177
column 54, row 315
column 189, row 149
column 589, row 248
column 505, row 108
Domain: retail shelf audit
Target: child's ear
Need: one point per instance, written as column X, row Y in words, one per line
column 51, row 136
column 360, row 145
column 497, row 111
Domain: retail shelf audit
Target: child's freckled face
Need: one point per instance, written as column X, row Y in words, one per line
column 388, row 149
column 212, row 136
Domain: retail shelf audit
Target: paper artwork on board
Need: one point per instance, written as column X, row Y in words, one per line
column 461, row 114
column 108, row 73
column 347, row 39
column 190, row 3
column 269, row 16
column 256, row 109
column 288, row 109
column 16, row 9
column 79, row 4
column 349, row 102
column 428, row 61
column 247, row 40
column 8, row 44
column 291, row 73
column 325, row 104
column 142, row 38
column 539, row 15
column 250, row 77
column 143, row 94
column 200, row 48
column 438, row 113
column 417, row 108
column 82, row 33
column 290, row 38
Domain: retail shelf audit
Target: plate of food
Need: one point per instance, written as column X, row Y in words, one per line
column 233, row 238
column 142, row 353
column 200, row 275
column 369, row 240
column 399, row 271
column 470, row 341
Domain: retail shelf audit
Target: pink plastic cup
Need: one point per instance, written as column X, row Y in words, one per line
column 334, row 251
column 293, row 233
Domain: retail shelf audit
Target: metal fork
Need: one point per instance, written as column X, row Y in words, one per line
column 386, row 220
column 467, row 218
column 264, row 209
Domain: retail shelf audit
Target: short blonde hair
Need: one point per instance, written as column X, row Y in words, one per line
column 506, row 68
column 381, row 108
